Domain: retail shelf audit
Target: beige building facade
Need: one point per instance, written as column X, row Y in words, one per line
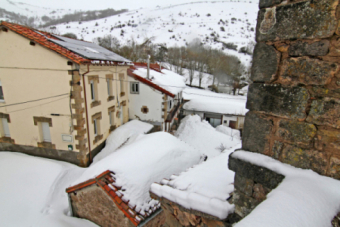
column 56, row 103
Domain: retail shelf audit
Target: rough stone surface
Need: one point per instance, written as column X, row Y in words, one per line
column 334, row 169
column 307, row 71
column 336, row 221
column 325, row 112
column 256, row 133
column 296, row 132
column 301, row 20
column 260, row 192
column 244, row 185
column 320, row 91
column 243, row 204
column 94, row 204
column 277, row 149
column 278, row 101
column 264, row 176
column 301, row 48
column 328, row 140
column 268, row 3
column 305, row 159
column 265, row 63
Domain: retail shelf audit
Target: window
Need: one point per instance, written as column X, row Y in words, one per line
column 96, row 127
column 5, row 129
column 1, row 93
column 45, row 129
column 93, row 95
column 93, row 82
column 170, row 104
column 112, row 118
column 109, row 79
column 232, row 124
column 121, row 78
column 134, row 88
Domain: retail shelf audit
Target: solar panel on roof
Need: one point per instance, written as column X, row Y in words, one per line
column 88, row 50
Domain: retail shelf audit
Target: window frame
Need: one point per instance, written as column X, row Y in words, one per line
column 93, row 93
column 134, row 87
column 2, row 97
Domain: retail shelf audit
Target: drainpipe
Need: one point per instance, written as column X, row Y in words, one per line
column 87, row 115
column 148, row 71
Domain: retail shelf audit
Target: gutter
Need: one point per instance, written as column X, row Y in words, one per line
column 86, row 112
column 150, row 218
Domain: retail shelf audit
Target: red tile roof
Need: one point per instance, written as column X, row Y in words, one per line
column 106, row 181
column 145, row 80
column 34, row 35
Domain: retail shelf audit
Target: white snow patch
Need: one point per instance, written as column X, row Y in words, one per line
column 304, row 198
column 202, row 136
column 32, row 192
column 123, row 134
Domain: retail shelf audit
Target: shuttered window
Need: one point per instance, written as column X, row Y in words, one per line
column 45, row 127
column 5, row 127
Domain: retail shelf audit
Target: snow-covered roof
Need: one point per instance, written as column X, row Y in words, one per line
column 123, row 135
column 211, row 102
column 165, row 81
column 303, row 198
column 207, row 186
column 137, row 165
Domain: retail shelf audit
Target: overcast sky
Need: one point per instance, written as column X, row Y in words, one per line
column 101, row 4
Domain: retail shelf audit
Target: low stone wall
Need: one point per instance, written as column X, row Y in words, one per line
column 178, row 216
column 252, row 184
column 60, row 155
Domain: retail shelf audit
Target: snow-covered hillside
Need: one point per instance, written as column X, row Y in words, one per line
column 211, row 22
column 27, row 10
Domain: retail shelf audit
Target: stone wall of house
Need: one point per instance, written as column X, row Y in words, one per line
column 178, row 216
column 294, row 100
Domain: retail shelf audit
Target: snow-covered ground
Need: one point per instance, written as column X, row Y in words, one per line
column 207, row 186
column 303, row 199
column 32, row 192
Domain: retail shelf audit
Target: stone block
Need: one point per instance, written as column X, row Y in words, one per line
column 244, row 185
column 334, row 169
column 277, row 149
column 299, row 133
column 268, row 3
column 301, row 20
column 259, row 174
column 325, row 112
column 328, row 140
column 243, row 204
column 279, row 101
column 320, row 91
column 305, row 159
column 307, row 71
column 260, row 192
column 256, row 133
column 300, row 48
column 265, row 63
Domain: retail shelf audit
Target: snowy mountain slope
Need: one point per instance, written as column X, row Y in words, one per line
column 29, row 10
column 211, row 22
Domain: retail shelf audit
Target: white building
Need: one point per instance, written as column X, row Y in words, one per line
column 157, row 99
column 216, row 108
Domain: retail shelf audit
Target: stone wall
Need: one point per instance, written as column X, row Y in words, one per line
column 294, row 100
column 178, row 216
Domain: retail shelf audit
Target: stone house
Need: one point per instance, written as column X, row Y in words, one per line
column 101, row 201
column 60, row 97
column 157, row 99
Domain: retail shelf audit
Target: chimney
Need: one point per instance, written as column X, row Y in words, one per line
column 148, row 72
